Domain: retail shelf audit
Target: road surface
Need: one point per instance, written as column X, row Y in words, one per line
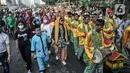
column 73, row 64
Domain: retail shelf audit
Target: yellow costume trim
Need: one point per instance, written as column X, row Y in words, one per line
column 57, row 31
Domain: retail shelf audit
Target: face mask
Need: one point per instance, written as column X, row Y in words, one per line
column 4, row 16
column 45, row 21
column 37, row 17
column 20, row 27
column 9, row 14
column 37, row 22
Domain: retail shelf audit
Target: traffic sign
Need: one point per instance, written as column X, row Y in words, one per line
column 119, row 9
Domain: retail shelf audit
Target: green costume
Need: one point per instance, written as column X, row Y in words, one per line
column 11, row 22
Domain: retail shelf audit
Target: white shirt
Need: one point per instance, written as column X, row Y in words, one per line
column 4, row 40
column 48, row 28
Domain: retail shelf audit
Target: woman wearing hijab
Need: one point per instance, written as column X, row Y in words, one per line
column 23, row 43
column 46, row 27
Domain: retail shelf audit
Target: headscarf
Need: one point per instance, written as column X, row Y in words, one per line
column 45, row 23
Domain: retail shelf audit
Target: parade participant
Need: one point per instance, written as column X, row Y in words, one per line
column 25, row 16
column 52, row 22
column 94, row 40
column 3, row 24
column 109, row 29
column 119, row 20
column 93, row 20
column 126, row 39
column 4, row 18
column 81, row 18
column 37, row 19
column 60, row 40
column 83, row 30
column 28, row 21
column 46, row 26
column 49, row 14
column 5, row 55
column 43, row 13
column 39, row 47
column 126, row 43
column 74, row 25
column 127, row 22
column 68, row 20
column 10, row 20
column 23, row 44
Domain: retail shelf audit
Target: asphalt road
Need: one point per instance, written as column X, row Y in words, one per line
column 73, row 64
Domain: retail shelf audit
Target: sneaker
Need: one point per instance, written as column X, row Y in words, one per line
column 0, row 63
column 57, row 58
column 78, row 58
column 29, row 71
column 26, row 65
column 76, row 54
column 34, row 57
column 49, row 52
column 63, row 62
column 48, row 65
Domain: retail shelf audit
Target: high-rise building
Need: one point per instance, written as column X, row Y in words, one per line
column 39, row 2
column 17, row 2
column 3, row 2
column 23, row 1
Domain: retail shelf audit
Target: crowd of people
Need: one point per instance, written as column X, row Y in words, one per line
column 38, row 30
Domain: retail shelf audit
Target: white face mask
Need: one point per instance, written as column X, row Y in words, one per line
column 45, row 21
column 9, row 14
column 4, row 16
column 20, row 27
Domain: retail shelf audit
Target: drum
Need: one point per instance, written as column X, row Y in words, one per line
column 101, row 55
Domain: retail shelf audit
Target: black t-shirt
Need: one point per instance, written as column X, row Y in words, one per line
column 23, row 37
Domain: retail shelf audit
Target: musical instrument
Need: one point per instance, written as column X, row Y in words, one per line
column 101, row 55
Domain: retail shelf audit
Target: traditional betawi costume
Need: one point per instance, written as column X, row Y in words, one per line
column 109, row 29
column 93, row 41
column 82, row 31
column 74, row 25
column 60, row 39
column 126, row 38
